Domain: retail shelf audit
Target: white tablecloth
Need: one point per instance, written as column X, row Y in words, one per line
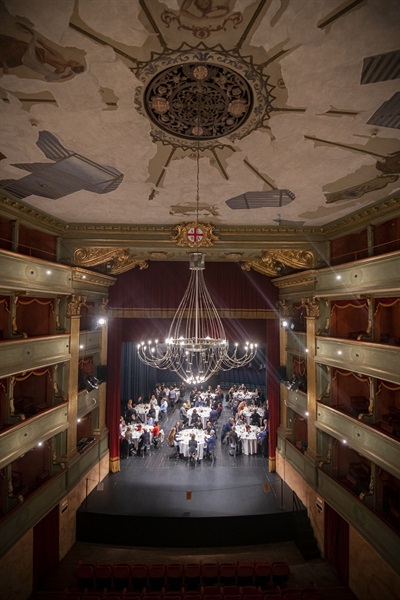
column 203, row 412
column 247, row 412
column 184, row 438
column 143, row 409
column 136, row 433
column 249, row 439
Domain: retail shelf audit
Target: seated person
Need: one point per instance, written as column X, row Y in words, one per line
column 155, row 432
column 192, row 447
column 178, row 426
column 129, row 439
column 226, row 428
column 210, row 443
column 241, row 420
column 149, row 420
column 255, row 418
column 214, row 415
column 234, row 438
column 208, row 428
column 164, row 407
column 144, row 441
column 194, row 417
column 184, row 415
column 198, row 424
column 262, row 440
column 198, row 401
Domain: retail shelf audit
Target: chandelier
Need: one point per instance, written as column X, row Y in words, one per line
column 196, row 346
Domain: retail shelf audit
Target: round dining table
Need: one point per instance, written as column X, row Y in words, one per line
column 143, row 409
column 183, row 441
column 247, row 412
column 248, row 436
column 203, row 412
column 137, row 432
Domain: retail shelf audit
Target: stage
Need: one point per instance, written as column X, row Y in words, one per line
column 234, row 500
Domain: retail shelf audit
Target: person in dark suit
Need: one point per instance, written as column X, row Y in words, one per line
column 255, row 418
column 210, row 444
column 193, row 447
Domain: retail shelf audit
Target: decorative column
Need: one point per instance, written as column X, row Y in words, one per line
column 74, row 314
column 312, row 314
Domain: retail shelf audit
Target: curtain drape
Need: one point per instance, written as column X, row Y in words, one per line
column 113, row 390
column 137, row 379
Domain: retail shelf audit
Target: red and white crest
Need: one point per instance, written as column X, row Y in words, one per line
column 195, row 235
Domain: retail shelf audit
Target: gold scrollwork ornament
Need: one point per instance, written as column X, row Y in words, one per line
column 194, row 234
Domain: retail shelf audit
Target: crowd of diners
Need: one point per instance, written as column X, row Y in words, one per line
column 154, row 408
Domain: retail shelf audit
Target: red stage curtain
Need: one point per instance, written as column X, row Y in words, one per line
column 272, row 327
column 115, row 327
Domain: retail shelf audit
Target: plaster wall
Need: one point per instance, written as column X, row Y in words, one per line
column 70, row 504
column 16, row 569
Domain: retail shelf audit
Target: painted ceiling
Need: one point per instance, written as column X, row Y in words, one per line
column 275, row 112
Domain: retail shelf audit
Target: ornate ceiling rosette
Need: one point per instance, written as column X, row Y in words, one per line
column 194, row 95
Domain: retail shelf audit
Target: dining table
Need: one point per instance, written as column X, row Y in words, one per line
column 183, row 441
column 137, row 432
column 203, row 412
column 143, row 409
column 247, row 412
column 248, row 436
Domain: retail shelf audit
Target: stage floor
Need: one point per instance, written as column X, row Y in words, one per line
column 157, row 484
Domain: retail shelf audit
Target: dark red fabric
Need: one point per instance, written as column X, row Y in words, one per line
column 337, row 542
column 272, row 339
column 45, row 547
column 115, row 327
column 164, row 283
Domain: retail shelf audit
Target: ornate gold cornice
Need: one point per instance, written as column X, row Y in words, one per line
column 89, row 277
column 296, row 279
column 118, row 260
column 23, row 212
column 272, row 260
column 168, row 313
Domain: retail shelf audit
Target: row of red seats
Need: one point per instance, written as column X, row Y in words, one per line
column 174, row 576
column 272, row 594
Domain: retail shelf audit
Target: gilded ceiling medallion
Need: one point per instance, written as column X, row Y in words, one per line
column 195, row 235
column 204, row 94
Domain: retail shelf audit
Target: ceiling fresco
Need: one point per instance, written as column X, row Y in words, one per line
column 293, row 108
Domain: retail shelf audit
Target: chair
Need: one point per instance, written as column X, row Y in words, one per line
column 139, row 576
column 280, row 572
column 227, row 575
column 232, row 448
column 292, row 594
column 233, row 597
column 103, row 576
column 192, row 596
column 250, row 591
column 121, row 576
column 311, row 594
column 275, row 594
column 156, row 577
column 85, row 576
column 210, row 574
column 245, row 573
column 174, row 575
column 230, row 590
column 192, row 576
column 262, row 573
column 211, row 590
